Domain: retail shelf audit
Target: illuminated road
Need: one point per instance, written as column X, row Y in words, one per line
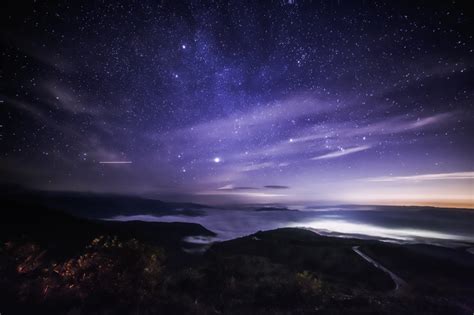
column 399, row 282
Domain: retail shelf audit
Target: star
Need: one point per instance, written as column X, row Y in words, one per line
column 187, row 97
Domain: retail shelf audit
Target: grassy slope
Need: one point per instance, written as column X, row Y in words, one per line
column 331, row 258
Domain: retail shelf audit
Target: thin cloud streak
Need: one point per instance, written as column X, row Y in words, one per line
column 390, row 126
column 424, row 177
column 341, row 152
column 239, row 193
column 276, row 187
column 257, row 166
column 232, row 187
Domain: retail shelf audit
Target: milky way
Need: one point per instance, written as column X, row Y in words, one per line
column 299, row 101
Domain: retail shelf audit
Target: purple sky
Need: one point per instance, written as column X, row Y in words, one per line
column 229, row 103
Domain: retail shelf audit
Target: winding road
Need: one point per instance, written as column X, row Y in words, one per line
column 399, row 282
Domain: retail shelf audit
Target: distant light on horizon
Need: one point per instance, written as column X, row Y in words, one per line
column 344, row 226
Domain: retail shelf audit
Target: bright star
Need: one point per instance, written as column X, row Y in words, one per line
column 217, row 159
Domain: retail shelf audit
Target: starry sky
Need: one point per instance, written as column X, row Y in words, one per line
column 240, row 101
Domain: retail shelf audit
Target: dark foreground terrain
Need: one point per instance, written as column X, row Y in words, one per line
column 55, row 263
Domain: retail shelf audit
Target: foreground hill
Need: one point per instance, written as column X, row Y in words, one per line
column 61, row 231
column 55, row 263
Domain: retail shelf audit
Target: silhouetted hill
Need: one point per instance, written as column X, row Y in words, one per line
column 305, row 250
column 99, row 206
column 57, row 229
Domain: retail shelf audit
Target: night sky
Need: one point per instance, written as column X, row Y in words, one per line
column 240, row 101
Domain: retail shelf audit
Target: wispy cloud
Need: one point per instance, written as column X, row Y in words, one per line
column 343, row 134
column 239, row 126
column 399, row 124
column 232, row 187
column 276, row 187
column 424, row 177
column 256, row 166
column 60, row 97
column 341, row 152
column 239, row 193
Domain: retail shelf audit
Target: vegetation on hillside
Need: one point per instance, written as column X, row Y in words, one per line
column 53, row 263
